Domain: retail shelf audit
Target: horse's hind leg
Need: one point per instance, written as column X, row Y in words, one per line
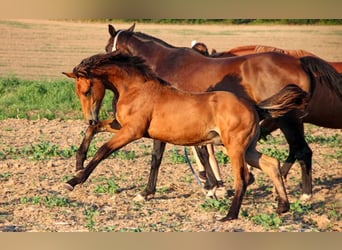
column 103, row 126
column 293, row 130
column 157, row 156
column 271, row 167
column 203, row 155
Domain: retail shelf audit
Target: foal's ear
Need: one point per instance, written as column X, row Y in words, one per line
column 131, row 29
column 70, row 75
column 111, row 30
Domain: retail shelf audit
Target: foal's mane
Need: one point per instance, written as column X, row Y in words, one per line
column 131, row 64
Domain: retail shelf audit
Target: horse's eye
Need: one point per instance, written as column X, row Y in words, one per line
column 87, row 93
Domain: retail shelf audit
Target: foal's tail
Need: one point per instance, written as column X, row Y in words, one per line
column 289, row 98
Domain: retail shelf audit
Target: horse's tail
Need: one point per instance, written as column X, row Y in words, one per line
column 321, row 72
column 289, row 98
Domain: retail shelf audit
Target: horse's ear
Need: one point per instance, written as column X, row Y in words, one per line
column 70, row 75
column 131, row 29
column 111, row 30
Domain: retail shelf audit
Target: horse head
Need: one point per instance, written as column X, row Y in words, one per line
column 114, row 35
column 90, row 91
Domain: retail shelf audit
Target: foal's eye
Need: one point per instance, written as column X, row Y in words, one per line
column 87, row 93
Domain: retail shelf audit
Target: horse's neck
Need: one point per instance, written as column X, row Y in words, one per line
column 149, row 50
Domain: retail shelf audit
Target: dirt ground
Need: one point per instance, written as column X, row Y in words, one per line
column 31, row 194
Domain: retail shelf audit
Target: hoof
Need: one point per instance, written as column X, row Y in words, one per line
column 283, row 207
column 68, row 186
column 211, row 194
column 251, row 179
column 227, row 218
column 305, row 197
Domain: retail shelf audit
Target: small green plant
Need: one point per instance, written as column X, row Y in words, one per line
column 176, row 157
column 48, row 201
column 222, row 158
column 299, row 209
column 212, row 205
column 90, row 213
column 280, row 154
column 109, row 187
column 267, row 220
column 125, row 155
column 5, row 176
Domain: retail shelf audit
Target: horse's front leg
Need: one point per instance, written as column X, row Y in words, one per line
column 122, row 138
column 111, row 126
column 157, row 156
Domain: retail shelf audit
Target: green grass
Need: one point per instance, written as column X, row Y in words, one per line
column 268, row 221
column 42, row 99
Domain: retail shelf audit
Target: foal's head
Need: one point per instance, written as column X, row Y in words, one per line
column 90, row 91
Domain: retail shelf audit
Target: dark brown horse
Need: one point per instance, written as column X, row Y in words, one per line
column 316, row 115
column 253, row 77
column 147, row 106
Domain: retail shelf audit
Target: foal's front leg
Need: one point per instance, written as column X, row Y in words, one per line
column 122, row 138
column 111, row 126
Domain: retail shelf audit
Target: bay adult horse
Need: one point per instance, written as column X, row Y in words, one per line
column 253, row 77
column 316, row 114
column 148, row 106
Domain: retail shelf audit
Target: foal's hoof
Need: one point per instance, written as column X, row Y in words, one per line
column 251, row 179
column 283, row 207
column 227, row 218
column 68, row 186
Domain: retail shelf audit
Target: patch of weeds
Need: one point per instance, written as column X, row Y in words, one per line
column 213, row 205
column 109, row 187
column 48, row 201
column 298, row 209
column 187, row 178
column 40, row 151
column 163, row 190
column 331, row 141
column 125, row 155
column 176, row 157
column 222, row 158
column 280, row 154
column 334, row 213
column 268, row 221
column 90, row 213
column 244, row 213
column 5, row 176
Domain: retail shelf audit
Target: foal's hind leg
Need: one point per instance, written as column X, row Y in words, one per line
column 241, row 176
column 293, row 130
column 103, row 126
